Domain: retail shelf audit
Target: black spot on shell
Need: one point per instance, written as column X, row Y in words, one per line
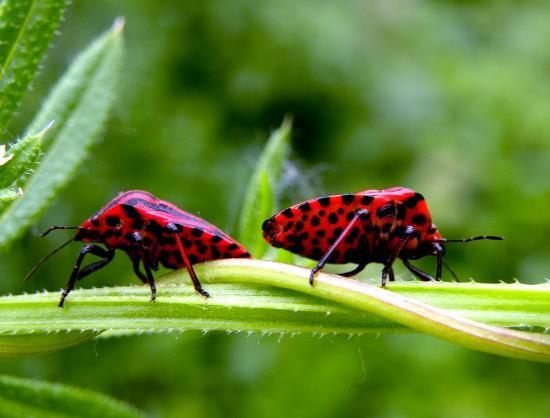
column 187, row 243
column 289, row 225
column 130, row 211
column 347, row 198
column 340, row 211
column 232, row 247
column 385, row 210
column 419, row 219
column 177, row 256
column 112, row 220
column 315, row 241
column 287, row 212
column 202, row 249
column 137, row 224
column 215, row 252
column 315, row 221
column 321, row 233
column 298, row 249
column 324, row 201
column 215, row 239
column 316, row 253
column 366, row 200
column 192, row 258
column 400, row 212
column 350, row 216
column 337, row 232
column 226, row 255
column 304, row 217
column 333, row 218
column 305, row 207
column 197, row 232
column 412, row 201
column 304, row 235
column 322, row 212
column 299, row 226
column 352, row 235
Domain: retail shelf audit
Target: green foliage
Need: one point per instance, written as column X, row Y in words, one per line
column 79, row 104
column 292, row 306
column 22, row 398
column 260, row 196
column 23, row 156
column 27, row 28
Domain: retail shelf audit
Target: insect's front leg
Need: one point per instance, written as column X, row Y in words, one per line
column 388, row 270
column 78, row 274
column 142, row 254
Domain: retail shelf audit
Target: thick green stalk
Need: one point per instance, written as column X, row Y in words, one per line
column 244, row 299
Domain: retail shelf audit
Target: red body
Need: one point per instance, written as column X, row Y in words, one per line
column 311, row 228
column 141, row 212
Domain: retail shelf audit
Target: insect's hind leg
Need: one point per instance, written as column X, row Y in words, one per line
column 78, row 274
column 175, row 229
column 360, row 213
column 356, row 270
column 141, row 255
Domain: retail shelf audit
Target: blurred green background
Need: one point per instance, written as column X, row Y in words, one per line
column 449, row 98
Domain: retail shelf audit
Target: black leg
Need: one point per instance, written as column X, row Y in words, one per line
column 90, row 268
column 358, row 269
column 137, row 271
column 392, row 275
column 417, row 272
column 77, row 274
column 323, row 261
column 150, row 280
column 440, row 252
column 143, row 256
column 409, row 231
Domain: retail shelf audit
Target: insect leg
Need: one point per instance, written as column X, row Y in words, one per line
column 409, row 231
column 358, row 269
column 143, row 256
column 440, row 251
column 323, row 261
column 90, row 268
column 417, row 272
column 175, row 229
column 150, row 279
column 76, row 274
column 137, row 271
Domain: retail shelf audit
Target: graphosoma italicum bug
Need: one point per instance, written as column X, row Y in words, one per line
column 370, row 226
column 150, row 231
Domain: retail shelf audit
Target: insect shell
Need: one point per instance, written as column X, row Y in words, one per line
column 152, row 232
column 370, row 226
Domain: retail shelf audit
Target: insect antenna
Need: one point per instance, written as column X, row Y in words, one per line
column 479, row 237
column 37, row 266
column 450, row 270
column 53, row 228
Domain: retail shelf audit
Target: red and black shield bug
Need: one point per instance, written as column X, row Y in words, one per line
column 370, row 226
column 150, row 231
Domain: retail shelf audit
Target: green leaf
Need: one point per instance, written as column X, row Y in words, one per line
column 25, row 154
column 259, row 199
column 23, row 398
column 27, row 28
column 79, row 104
column 267, row 297
column 9, row 194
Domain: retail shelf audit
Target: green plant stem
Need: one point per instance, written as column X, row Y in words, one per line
column 244, row 299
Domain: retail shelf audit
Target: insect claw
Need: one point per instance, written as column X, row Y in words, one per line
column 312, row 276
